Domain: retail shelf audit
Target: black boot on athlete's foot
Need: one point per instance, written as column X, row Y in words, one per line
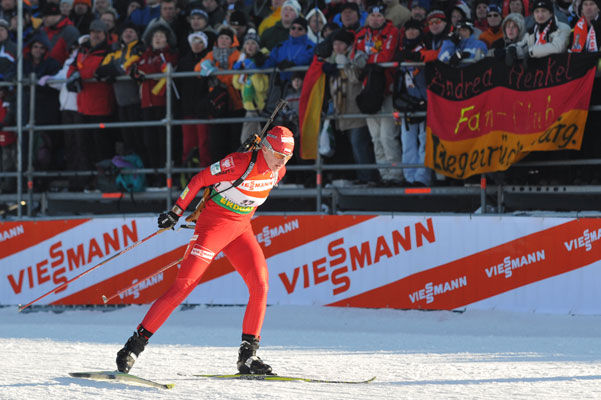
column 126, row 357
column 248, row 362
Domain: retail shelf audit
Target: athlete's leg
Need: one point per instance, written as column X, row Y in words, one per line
column 208, row 240
column 247, row 257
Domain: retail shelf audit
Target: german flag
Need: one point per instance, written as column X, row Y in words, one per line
column 309, row 109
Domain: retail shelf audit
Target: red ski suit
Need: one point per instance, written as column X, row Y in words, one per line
column 224, row 224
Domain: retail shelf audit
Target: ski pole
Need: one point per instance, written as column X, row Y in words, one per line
column 21, row 308
column 165, row 268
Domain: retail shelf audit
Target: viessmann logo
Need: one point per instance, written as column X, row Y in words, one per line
column 270, row 232
column 510, row 264
column 431, row 290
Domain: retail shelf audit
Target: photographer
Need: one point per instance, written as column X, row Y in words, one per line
column 462, row 46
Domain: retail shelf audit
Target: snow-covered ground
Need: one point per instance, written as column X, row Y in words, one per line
column 414, row 355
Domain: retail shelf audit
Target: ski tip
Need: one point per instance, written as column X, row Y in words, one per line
column 105, row 299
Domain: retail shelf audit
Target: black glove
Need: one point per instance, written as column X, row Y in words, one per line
column 510, row 56
column 74, row 83
column 499, row 54
column 455, row 38
column 455, row 59
column 107, row 73
column 329, row 68
column 324, row 49
column 168, row 220
column 286, row 64
column 136, row 75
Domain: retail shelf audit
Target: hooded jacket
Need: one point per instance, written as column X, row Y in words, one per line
column 95, row 98
column 152, row 62
column 61, row 37
column 315, row 38
column 502, row 43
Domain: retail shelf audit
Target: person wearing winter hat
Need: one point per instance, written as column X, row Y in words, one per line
column 296, row 50
column 513, row 28
column 60, row 32
column 419, row 9
column 198, row 21
column 253, row 87
column 82, row 15
column 224, row 139
column 225, row 223
column 547, row 36
column 239, row 22
column 460, row 12
column 396, row 12
column 316, row 20
column 279, row 32
column 587, row 31
column 377, row 43
column 95, row 100
column 169, row 19
column 462, row 45
column 351, row 17
column 438, row 30
column 494, row 31
column 194, row 93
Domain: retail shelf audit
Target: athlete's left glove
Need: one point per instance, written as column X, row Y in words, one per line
column 169, row 219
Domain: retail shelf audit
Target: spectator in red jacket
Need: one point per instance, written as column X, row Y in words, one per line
column 152, row 95
column 60, row 31
column 95, row 100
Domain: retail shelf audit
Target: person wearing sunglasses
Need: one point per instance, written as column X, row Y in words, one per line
column 494, row 31
column 297, row 50
column 238, row 184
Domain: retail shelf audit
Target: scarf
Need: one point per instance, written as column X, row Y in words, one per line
column 542, row 37
column 585, row 38
column 221, row 56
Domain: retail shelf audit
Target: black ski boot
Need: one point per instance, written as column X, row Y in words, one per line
column 126, row 357
column 248, row 362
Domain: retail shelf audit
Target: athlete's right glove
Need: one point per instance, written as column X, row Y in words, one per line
column 168, row 220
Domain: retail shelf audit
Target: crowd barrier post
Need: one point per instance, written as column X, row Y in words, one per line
column 31, row 125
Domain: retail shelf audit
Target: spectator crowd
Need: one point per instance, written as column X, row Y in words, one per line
column 89, row 43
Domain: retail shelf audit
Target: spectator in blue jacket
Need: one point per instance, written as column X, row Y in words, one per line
column 142, row 16
column 296, row 50
column 462, row 45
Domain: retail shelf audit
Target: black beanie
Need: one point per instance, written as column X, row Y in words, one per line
column 301, row 21
column 344, row 36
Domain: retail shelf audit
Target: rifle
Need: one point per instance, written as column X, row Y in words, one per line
column 253, row 143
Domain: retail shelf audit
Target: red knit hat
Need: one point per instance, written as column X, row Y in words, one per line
column 280, row 139
column 86, row 2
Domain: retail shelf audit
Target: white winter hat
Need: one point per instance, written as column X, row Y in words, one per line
column 294, row 5
column 198, row 35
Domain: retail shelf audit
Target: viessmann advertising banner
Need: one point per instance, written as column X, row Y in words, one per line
column 406, row 262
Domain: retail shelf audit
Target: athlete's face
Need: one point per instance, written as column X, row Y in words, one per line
column 274, row 160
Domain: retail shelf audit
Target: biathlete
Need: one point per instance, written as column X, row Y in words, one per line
column 223, row 225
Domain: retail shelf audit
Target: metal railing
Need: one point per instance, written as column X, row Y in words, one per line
column 169, row 170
